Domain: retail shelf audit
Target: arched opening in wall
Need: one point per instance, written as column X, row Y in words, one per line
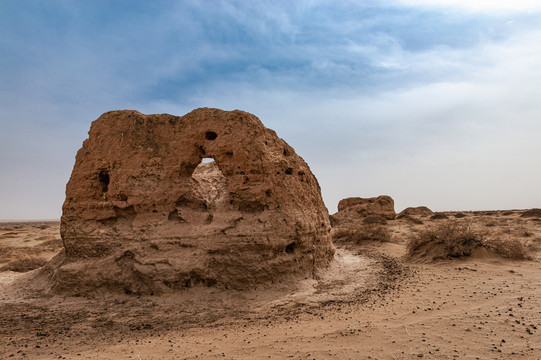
column 210, row 183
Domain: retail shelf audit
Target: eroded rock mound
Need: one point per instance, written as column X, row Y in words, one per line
column 354, row 209
column 416, row 211
column 143, row 214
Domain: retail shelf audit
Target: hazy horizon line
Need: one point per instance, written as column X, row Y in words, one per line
column 435, row 211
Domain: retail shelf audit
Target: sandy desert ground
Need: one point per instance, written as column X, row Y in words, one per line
column 373, row 303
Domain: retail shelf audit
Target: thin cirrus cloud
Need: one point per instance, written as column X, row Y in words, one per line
column 431, row 102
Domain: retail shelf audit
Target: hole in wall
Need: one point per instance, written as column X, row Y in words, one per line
column 209, row 183
column 104, row 180
column 211, row 135
column 290, row 249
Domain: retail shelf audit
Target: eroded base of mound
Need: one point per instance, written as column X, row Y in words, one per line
column 352, row 278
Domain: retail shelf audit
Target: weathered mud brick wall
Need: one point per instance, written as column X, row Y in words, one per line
column 144, row 214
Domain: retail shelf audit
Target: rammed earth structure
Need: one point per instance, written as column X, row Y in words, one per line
column 143, row 214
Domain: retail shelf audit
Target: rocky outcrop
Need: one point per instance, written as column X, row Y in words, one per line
column 416, row 211
column 143, row 214
column 355, row 208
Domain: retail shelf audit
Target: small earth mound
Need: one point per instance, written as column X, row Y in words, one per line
column 417, row 211
column 353, row 209
column 532, row 213
column 361, row 220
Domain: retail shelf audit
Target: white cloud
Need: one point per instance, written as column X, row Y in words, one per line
column 478, row 5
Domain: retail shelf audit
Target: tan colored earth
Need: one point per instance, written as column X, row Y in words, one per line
column 372, row 303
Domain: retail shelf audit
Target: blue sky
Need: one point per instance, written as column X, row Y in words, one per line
column 434, row 102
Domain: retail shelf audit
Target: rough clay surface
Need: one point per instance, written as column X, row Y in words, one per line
column 141, row 216
column 417, row 211
column 355, row 208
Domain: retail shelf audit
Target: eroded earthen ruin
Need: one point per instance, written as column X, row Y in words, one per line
column 353, row 209
column 144, row 214
column 416, row 211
